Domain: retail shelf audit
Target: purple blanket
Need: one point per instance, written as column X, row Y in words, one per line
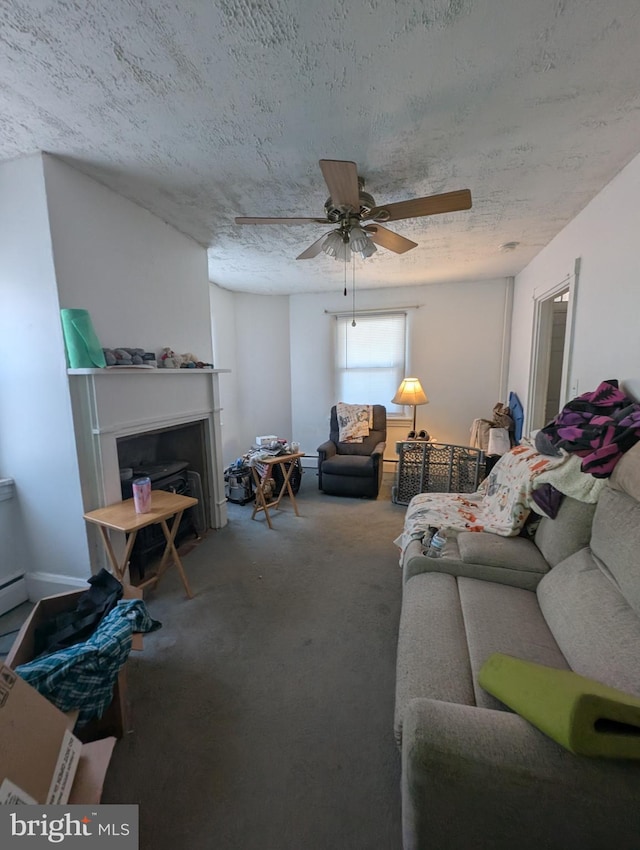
column 599, row 426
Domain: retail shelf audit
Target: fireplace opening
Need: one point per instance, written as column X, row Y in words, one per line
column 175, row 459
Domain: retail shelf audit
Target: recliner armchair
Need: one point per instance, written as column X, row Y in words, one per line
column 353, row 469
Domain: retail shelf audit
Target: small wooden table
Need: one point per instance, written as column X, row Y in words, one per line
column 122, row 517
column 288, row 463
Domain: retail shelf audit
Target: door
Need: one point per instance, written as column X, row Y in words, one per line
column 556, row 352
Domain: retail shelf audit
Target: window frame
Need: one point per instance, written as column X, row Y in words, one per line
column 344, row 321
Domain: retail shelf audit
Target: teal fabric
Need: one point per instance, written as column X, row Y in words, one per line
column 82, row 344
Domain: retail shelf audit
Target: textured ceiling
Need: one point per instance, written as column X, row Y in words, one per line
column 202, row 111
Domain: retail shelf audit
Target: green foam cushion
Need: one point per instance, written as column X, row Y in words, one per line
column 584, row 716
column 82, row 344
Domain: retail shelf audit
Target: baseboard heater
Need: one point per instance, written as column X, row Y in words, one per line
column 13, row 592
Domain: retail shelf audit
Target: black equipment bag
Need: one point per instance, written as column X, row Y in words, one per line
column 75, row 626
column 295, row 479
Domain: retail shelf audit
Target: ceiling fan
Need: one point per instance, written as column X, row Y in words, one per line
column 350, row 208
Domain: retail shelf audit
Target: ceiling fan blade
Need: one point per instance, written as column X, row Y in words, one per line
column 390, row 240
column 342, row 180
column 416, row 207
column 250, row 220
column 313, row 250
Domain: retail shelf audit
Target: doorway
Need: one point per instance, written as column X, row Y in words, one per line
column 551, row 352
column 558, row 320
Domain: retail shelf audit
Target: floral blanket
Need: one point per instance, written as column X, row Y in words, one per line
column 501, row 505
column 354, row 421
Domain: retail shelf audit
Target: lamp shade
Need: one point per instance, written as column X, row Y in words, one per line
column 410, row 392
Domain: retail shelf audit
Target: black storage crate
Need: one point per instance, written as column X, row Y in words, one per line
column 425, row 467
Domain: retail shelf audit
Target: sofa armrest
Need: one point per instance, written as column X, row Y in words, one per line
column 327, row 449
column 379, row 450
column 469, row 773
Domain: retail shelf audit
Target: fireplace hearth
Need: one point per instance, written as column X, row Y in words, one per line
column 136, row 419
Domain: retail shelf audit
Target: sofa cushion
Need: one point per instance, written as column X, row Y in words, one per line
column 357, row 465
column 567, row 533
column 626, row 473
column 616, row 540
column 498, row 618
column 433, row 659
column 592, row 622
column 516, row 553
column 451, row 563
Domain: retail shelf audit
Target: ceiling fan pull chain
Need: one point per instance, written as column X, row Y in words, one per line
column 345, row 277
column 353, row 290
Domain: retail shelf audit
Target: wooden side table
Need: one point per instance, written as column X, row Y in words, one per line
column 122, row 517
column 288, row 463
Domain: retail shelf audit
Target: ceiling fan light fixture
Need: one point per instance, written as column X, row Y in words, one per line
column 358, row 239
column 333, row 244
column 343, row 252
column 369, row 249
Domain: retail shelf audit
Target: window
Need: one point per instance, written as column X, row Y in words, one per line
column 370, row 358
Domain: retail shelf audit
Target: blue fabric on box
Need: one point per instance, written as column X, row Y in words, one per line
column 83, row 676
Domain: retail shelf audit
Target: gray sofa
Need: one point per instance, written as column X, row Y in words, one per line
column 476, row 775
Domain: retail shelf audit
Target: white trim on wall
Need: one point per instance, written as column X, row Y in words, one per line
column 538, row 365
column 506, row 340
column 40, row 584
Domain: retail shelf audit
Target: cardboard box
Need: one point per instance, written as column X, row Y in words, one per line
column 266, row 440
column 39, row 754
column 92, row 769
column 115, row 722
column 42, row 761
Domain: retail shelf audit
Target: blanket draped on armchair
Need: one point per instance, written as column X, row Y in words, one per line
column 354, row 421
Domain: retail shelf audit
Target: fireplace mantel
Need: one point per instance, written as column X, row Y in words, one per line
column 120, row 402
column 145, row 370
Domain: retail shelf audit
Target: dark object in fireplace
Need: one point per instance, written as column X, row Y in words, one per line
column 171, row 476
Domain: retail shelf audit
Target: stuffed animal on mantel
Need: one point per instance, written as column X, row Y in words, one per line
column 188, row 361
column 169, row 359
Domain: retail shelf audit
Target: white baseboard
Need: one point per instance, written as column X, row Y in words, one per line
column 12, row 595
column 40, row 585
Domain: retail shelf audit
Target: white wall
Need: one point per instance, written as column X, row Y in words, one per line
column 67, row 241
column 251, row 334
column 607, row 342
column 37, row 446
column 144, row 284
column 455, row 349
column 224, row 330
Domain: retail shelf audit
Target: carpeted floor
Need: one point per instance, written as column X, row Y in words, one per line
column 263, row 709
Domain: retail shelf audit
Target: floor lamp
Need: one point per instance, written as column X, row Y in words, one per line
column 410, row 392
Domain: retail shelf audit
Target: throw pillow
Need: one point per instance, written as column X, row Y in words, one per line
column 584, row 716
